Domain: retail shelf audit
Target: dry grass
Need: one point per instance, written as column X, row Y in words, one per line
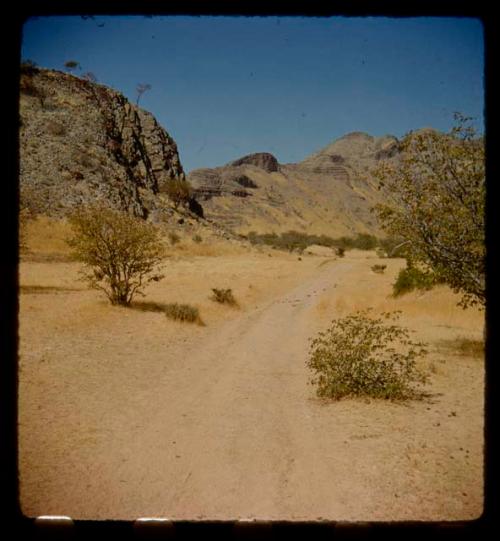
column 46, row 239
column 30, row 289
column 465, row 347
column 92, row 373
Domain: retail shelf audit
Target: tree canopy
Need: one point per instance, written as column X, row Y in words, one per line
column 435, row 200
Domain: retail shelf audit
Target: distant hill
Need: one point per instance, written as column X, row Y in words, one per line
column 330, row 192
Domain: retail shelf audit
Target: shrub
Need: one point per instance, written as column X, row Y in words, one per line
column 183, row 312
column 197, row 239
column 411, row 278
column 363, row 356
column 379, row 268
column 173, row 238
column 393, row 247
column 120, row 253
column 179, row 191
column 223, row 296
column 340, row 252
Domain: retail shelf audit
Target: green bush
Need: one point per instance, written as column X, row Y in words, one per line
column 182, row 312
column 411, row 278
column 223, row 296
column 197, row 239
column 363, row 356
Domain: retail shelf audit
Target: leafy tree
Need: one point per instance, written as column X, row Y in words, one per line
column 141, row 88
column 120, row 252
column 435, row 202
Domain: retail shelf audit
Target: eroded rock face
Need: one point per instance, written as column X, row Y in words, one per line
column 330, row 192
column 81, row 141
column 264, row 160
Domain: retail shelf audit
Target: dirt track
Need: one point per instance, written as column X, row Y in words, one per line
column 225, row 426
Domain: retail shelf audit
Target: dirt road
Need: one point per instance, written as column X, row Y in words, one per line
column 226, row 426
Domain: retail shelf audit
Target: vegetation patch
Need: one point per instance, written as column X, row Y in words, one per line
column 224, row 296
column 298, row 241
column 379, row 269
column 173, row 238
column 362, row 356
column 149, row 306
column 120, row 253
column 182, row 312
column 44, row 289
column 465, row 347
column 411, row 278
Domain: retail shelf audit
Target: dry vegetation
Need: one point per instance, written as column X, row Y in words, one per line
column 128, row 393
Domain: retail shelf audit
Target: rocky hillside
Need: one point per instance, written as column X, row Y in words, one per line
column 81, row 141
column 330, row 192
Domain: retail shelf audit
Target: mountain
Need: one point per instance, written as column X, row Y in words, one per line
column 80, row 141
column 330, row 192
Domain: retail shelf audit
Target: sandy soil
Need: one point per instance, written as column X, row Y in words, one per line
column 125, row 414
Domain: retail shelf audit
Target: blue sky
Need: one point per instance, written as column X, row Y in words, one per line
column 224, row 87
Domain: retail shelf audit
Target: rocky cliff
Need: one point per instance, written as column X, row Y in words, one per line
column 81, row 141
column 330, row 192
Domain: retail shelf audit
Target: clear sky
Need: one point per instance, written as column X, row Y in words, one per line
column 224, row 87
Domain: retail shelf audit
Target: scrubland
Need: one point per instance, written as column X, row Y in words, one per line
column 125, row 413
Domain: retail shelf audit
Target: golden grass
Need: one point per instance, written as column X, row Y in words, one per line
column 48, row 236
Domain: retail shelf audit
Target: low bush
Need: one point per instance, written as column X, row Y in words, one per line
column 173, row 238
column 223, row 296
column 379, row 269
column 197, row 239
column 411, row 278
column 364, row 356
column 182, row 312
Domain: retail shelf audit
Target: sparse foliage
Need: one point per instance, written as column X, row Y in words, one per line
column 173, row 238
column 120, row 253
column 223, row 296
column 179, row 191
column 379, row 269
column 436, row 202
column 141, row 88
column 364, row 356
column 183, row 312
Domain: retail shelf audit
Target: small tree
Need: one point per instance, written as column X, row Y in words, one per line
column 435, row 201
column 179, row 191
column 71, row 65
column 120, row 253
column 141, row 88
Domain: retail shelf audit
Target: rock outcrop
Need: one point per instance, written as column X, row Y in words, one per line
column 263, row 160
column 81, row 141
